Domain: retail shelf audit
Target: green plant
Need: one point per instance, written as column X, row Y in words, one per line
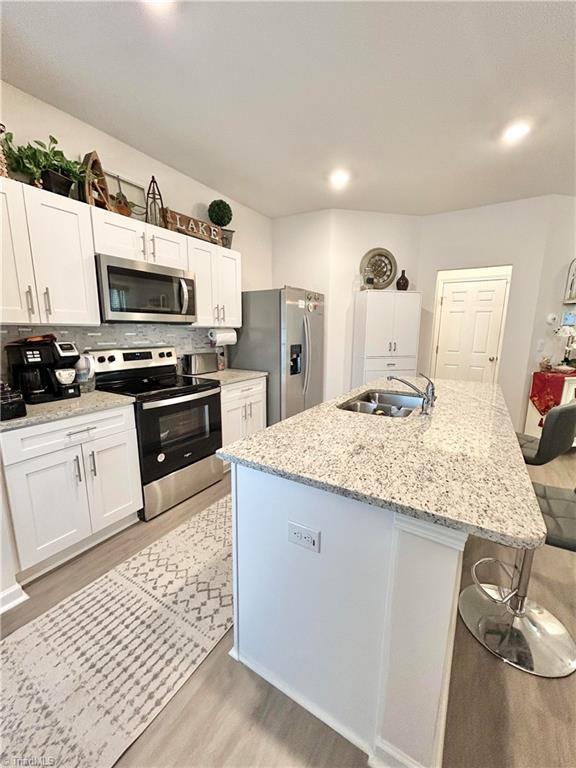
column 33, row 159
column 220, row 213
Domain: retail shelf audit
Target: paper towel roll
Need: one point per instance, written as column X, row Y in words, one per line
column 221, row 336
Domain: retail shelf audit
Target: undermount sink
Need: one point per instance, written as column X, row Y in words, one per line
column 381, row 402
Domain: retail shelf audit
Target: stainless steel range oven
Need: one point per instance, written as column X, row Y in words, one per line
column 178, row 421
column 140, row 292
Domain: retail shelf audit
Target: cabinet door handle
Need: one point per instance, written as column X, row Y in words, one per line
column 78, row 470
column 143, row 238
column 93, row 463
column 389, row 346
column 391, row 365
column 29, row 300
column 394, row 346
column 250, row 410
column 217, row 312
column 79, row 431
column 223, row 313
column 153, row 241
column 47, row 302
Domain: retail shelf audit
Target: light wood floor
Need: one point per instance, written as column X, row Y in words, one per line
column 225, row 716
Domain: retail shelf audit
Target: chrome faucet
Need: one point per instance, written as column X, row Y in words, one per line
column 427, row 395
column 430, row 389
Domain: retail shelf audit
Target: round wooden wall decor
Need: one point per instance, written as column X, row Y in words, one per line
column 381, row 263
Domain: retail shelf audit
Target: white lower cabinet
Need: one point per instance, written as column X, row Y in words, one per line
column 112, row 478
column 243, row 410
column 60, row 497
column 49, row 504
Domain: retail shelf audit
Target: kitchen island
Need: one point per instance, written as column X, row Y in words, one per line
column 348, row 537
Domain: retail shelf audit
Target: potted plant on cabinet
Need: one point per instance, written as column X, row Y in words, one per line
column 220, row 214
column 44, row 165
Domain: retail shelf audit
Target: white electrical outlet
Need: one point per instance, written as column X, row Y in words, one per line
column 305, row 537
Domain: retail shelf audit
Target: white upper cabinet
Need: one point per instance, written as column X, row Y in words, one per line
column 116, row 235
column 63, row 256
column 200, row 262
column 19, row 297
column 128, row 238
column 229, row 286
column 218, row 280
column 166, row 248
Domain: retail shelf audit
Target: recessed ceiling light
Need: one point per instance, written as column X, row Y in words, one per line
column 339, row 179
column 159, row 6
column 516, row 131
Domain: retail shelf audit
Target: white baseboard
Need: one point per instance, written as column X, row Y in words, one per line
column 12, row 597
column 233, row 653
column 306, row 704
column 388, row 756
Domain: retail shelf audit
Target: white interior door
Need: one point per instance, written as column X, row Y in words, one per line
column 471, row 318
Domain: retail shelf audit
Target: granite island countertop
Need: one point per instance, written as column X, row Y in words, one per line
column 460, row 467
column 88, row 402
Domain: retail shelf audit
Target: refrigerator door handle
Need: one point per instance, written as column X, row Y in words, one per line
column 308, row 353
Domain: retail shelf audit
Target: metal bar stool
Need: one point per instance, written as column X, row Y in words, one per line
column 513, row 627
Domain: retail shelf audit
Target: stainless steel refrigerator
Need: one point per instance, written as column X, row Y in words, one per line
column 283, row 333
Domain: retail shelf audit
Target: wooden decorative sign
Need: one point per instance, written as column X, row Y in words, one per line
column 187, row 225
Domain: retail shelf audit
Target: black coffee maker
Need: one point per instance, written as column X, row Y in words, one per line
column 40, row 368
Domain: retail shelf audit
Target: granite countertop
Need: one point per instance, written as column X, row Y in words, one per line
column 63, row 409
column 460, row 467
column 233, row 375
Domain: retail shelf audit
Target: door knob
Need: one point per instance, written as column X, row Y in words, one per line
column 491, row 359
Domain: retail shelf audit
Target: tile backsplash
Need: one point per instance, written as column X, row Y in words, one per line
column 182, row 337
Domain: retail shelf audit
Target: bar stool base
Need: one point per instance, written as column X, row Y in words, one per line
column 535, row 642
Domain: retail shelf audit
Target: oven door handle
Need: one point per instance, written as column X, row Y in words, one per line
column 185, row 297
column 181, row 399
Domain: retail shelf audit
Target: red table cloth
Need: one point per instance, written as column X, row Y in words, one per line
column 547, row 389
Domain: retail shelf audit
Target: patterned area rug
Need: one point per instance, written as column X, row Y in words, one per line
column 81, row 682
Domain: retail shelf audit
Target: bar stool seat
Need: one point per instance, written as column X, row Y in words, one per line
column 558, row 507
column 528, row 446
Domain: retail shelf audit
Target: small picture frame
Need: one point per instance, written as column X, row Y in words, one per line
column 570, row 292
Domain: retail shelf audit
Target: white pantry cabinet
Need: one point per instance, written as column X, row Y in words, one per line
column 63, row 257
column 19, row 302
column 129, row 238
column 69, row 479
column 243, row 409
column 386, row 334
column 218, row 274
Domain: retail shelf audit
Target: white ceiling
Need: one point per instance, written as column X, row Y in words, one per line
column 262, row 100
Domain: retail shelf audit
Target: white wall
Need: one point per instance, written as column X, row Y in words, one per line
column 522, row 234
column 536, row 237
column 322, row 251
column 29, row 118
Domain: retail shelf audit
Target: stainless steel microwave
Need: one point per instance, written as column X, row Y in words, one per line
column 138, row 292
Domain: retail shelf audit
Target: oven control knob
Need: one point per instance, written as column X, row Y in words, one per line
column 161, row 354
column 111, row 358
column 161, row 457
column 101, row 359
column 168, row 354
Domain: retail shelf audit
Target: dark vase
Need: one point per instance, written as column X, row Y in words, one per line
column 402, row 283
column 52, row 181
